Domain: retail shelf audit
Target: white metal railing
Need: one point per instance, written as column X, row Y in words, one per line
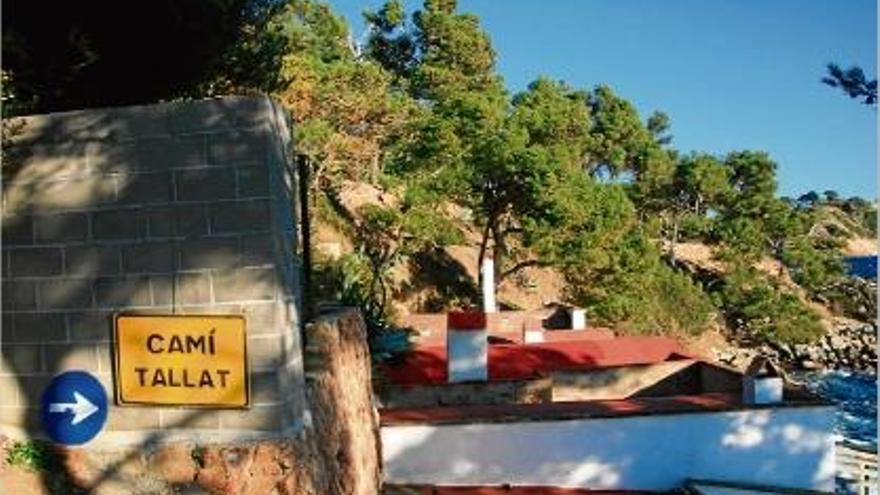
column 857, row 469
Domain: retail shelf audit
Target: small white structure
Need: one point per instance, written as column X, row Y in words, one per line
column 762, row 383
column 488, row 271
column 578, row 318
column 533, row 331
column 467, row 347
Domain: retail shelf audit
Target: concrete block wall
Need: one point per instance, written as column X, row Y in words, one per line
column 174, row 208
column 531, row 391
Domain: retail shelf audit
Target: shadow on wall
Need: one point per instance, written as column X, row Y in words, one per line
column 640, row 453
column 98, row 224
column 443, row 281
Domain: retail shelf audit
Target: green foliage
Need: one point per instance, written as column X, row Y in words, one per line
column 60, row 57
column 852, row 297
column 349, row 281
column 658, row 124
column 636, row 289
column 313, row 30
column 344, row 108
column 753, row 181
column 31, row 455
column 390, row 43
column 555, row 175
column 853, row 82
column 808, row 199
column 197, row 454
column 617, row 136
column 863, row 213
column 695, row 228
column 742, row 240
column 345, row 112
column 581, row 223
column 811, row 267
column 868, row 219
column 387, row 236
column 705, row 182
column 831, row 196
column 761, row 311
column 456, row 56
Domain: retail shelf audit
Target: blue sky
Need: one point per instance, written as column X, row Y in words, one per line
column 730, row 74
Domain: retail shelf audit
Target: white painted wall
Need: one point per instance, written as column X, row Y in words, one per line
column 578, row 318
column 788, row 447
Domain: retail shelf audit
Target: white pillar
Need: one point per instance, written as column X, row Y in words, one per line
column 488, row 271
column 533, row 331
column 762, row 390
column 578, row 319
column 762, row 382
column 467, row 349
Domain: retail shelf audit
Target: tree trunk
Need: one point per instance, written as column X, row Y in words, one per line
column 302, row 164
column 374, row 170
column 497, row 253
column 520, row 266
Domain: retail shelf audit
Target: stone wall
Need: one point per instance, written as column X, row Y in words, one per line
column 175, row 208
column 336, row 453
column 532, row 391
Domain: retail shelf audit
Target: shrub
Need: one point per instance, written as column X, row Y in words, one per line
column 31, row 455
column 347, row 281
column 641, row 293
column 763, row 312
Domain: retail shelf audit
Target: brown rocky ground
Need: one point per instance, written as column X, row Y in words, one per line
column 450, row 277
column 860, row 246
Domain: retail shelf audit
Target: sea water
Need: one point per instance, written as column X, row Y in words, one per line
column 855, row 395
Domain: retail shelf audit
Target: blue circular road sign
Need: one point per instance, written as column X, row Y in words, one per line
column 74, row 408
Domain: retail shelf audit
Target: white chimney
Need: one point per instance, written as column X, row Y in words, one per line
column 488, row 271
column 578, row 318
column 467, row 347
column 762, row 383
column 533, row 330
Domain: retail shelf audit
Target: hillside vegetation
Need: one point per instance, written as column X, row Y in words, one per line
column 422, row 164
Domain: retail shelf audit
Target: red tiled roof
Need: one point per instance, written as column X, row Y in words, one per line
column 592, row 333
column 427, row 365
column 561, row 410
column 504, row 490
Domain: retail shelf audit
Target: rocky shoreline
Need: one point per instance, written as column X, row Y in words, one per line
column 849, row 345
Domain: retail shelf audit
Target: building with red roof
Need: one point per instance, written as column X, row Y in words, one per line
column 584, row 413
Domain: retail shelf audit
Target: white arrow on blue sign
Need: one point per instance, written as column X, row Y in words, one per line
column 74, row 408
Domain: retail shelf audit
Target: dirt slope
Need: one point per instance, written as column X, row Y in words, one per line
column 445, row 279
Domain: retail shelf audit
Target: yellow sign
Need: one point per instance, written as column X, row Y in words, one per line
column 182, row 360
